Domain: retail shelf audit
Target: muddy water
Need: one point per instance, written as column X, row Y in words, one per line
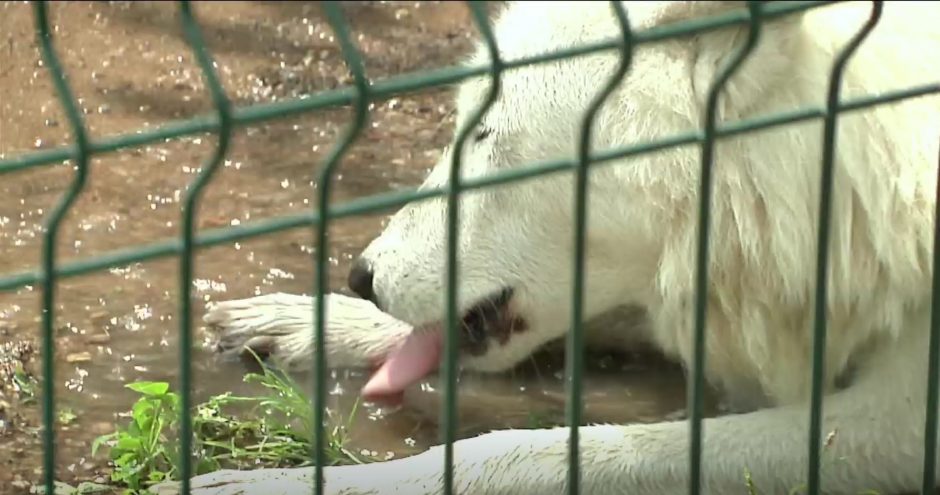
column 130, row 70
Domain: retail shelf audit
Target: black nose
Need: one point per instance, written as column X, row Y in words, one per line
column 360, row 280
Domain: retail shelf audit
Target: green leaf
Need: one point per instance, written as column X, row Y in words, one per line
column 128, row 443
column 66, row 416
column 157, row 476
column 153, row 389
column 100, row 440
column 206, row 465
column 87, row 487
column 172, row 401
column 142, row 413
column 127, row 459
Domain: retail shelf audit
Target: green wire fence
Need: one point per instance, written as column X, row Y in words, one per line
column 226, row 118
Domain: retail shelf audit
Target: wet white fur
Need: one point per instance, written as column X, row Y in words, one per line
column 641, row 242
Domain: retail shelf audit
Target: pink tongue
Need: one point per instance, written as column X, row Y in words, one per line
column 418, row 356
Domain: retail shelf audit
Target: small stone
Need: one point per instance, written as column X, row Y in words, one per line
column 99, row 339
column 102, row 428
column 214, row 222
column 78, row 357
column 99, row 317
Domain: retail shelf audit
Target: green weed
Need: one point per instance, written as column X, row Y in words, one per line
column 538, row 420
column 24, row 384
column 66, row 416
column 275, row 431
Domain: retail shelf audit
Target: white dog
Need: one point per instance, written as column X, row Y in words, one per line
column 516, row 244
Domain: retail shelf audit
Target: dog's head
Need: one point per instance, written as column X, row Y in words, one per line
column 516, row 241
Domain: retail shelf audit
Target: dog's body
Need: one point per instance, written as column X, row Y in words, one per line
column 517, row 241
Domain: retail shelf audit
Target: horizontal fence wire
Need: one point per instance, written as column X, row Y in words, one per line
column 226, row 118
column 393, row 86
column 381, row 202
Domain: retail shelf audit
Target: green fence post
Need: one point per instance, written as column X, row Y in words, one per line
column 574, row 355
column 697, row 384
column 191, row 200
column 360, row 103
column 81, row 155
column 822, row 254
column 453, row 190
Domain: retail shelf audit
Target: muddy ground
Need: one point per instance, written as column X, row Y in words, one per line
column 131, row 70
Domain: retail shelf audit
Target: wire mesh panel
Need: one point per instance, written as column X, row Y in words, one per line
column 226, row 118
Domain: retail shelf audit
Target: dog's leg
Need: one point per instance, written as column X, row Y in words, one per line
column 280, row 327
column 878, row 445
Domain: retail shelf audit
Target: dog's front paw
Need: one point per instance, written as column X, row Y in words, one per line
column 275, row 327
column 279, row 329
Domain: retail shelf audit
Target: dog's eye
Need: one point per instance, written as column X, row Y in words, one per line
column 482, row 134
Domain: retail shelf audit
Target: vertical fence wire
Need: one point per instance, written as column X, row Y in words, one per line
column 822, row 254
column 697, row 383
column 82, row 156
column 454, row 189
column 933, row 358
column 190, row 203
column 354, row 63
column 574, row 355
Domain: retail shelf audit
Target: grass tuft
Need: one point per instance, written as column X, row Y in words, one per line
column 231, row 432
